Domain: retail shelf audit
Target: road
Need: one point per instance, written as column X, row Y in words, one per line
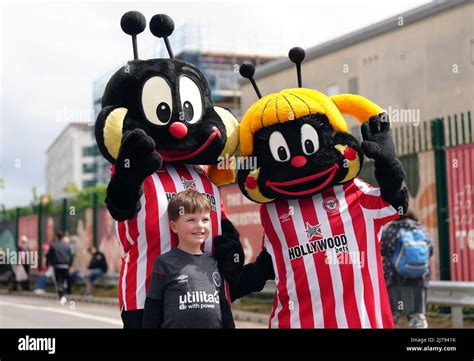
column 33, row 312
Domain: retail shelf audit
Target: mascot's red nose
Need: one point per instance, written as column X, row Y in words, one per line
column 178, row 130
column 298, row 161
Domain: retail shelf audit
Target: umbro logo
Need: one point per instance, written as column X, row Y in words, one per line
column 182, row 279
column 285, row 216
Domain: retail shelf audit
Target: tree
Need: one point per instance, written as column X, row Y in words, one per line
column 71, row 188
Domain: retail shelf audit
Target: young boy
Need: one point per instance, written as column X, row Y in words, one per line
column 186, row 289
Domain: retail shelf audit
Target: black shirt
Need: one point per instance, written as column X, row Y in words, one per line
column 186, row 291
column 60, row 254
column 98, row 261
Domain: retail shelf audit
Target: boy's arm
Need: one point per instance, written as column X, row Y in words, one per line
column 153, row 312
column 253, row 276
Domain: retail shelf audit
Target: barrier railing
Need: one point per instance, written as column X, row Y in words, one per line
column 442, row 293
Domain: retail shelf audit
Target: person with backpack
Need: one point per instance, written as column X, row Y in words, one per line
column 406, row 249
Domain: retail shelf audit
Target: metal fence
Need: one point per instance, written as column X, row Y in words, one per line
column 438, row 157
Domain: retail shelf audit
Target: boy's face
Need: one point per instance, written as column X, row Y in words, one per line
column 192, row 228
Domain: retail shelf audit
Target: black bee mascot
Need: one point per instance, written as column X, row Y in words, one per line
column 157, row 126
column 321, row 223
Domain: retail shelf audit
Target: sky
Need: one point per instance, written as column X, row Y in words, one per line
column 51, row 52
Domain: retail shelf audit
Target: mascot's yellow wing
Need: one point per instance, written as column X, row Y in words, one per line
column 113, row 131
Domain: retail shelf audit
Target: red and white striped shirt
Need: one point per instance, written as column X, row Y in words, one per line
column 326, row 256
column 149, row 235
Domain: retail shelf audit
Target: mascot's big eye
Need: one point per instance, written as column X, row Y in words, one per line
column 278, row 147
column 157, row 102
column 309, row 139
column 191, row 100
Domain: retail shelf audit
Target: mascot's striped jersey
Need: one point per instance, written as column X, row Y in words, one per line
column 326, row 256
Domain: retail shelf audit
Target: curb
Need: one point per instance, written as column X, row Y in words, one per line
column 97, row 300
column 238, row 315
column 250, row 317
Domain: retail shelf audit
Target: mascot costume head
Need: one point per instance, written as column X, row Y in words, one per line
column 170, row 100
column 302, row 134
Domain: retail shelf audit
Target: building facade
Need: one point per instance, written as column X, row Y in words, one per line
column 70, row 160
column 419, row 63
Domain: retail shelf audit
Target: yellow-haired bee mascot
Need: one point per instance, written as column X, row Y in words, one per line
column 321, row 223
column 157, row 125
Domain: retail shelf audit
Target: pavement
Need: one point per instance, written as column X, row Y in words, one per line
column 27, row 310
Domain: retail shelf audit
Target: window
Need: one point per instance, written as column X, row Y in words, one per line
column 89, row 168
column 89, row 183
column 91, row 151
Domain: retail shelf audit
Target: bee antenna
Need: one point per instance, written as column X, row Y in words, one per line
column 133, row 23
column 297, row 55
column 162, row 26
column 247, row 70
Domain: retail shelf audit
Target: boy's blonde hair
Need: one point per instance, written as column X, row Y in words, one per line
column 188, row 201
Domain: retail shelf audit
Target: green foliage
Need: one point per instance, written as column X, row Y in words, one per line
column 84, row 199
column 71, row 188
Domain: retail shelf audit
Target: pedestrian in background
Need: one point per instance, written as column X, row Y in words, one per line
column 46, row 272
column 406, row 249
column 60, row 255
column 96, row 269
column 67, row 240
column 7, row 275
column 22, row 251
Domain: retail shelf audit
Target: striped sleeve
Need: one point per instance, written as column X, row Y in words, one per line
column 371, row 198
